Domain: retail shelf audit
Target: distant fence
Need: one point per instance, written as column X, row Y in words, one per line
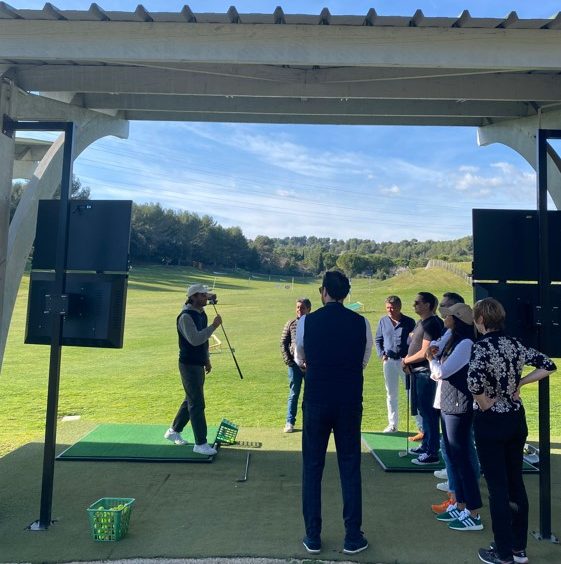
column 435, row 263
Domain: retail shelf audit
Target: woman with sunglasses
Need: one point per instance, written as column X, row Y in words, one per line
column 450, row 367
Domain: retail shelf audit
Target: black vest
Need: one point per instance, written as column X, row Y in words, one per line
column 334, row 344
column 188, row 354
column 455, row 398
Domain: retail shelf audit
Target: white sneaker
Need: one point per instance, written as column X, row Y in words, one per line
column 441, row 474
column 174, row 437
column 289, row 428
column 390, row 429
column 443, row 486
column 205, row 449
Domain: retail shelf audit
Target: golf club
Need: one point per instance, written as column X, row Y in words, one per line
column 244, row 477
column 213, row 302
column 401, row 453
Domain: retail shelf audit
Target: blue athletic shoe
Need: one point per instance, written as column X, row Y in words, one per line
column 356, row 546
column 312, row 545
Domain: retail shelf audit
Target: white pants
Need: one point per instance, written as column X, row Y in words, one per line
column 393, row 372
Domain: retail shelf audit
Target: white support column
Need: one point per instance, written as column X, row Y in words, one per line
column 7, row 146
column 520, row 135
column 90, row 127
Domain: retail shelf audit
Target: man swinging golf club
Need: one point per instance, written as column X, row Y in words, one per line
column 194, row 363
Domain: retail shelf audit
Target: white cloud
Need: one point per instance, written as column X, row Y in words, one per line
column 468, row 168
column 285, row 193
column 394, row 189
column 505, row 179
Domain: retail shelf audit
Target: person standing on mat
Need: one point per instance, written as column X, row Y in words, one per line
column 428, row 328
column 335, row 343
column 391, row 346
column 194, row 363
column 295, row 373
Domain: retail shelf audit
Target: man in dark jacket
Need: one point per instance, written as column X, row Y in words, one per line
column 194, row 362
column 335, row 344
column 295, row 373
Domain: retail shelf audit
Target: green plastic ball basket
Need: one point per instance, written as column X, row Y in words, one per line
column 110, row 517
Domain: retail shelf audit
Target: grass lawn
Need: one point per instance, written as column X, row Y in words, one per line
column 140, row 382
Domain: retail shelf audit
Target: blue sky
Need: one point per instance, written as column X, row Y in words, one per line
column 381, row 183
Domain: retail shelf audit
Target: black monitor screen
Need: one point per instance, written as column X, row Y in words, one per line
column 98, row 235
column 96, row 309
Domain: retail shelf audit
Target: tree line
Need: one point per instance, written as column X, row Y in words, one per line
column 186, row 238
column 167, row 236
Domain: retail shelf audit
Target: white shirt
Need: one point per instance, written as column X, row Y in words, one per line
column 458, row 358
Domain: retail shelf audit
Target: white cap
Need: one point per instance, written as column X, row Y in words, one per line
column 196, row 289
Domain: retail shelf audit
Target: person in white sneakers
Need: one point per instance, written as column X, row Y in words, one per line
column 295, row 372
column 194, row 363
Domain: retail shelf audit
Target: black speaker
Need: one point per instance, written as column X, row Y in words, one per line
column 521, row 316
column 505, row 245
column 98, row 235
column 95, row 311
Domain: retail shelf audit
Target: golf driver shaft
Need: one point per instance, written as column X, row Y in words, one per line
column 407, row 371
column 229, row 346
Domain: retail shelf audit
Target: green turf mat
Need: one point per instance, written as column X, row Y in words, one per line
column 386, row 446
column 143, row 443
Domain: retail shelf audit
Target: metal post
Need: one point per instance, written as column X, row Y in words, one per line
column 56, row 338
column 544, row 287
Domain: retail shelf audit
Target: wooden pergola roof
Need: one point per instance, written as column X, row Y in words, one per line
column 286, row 68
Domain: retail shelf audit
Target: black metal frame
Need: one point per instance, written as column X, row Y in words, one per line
column 57, row 313
column 545, row 318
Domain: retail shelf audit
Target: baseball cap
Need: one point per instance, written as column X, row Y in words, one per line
column 196, row 289
column 461, row 311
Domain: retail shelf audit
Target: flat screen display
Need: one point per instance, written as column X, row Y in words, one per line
column 96, row 309
column 98, row 235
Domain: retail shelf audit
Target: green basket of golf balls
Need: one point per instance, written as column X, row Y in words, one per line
column 109, row 518
column 227, row 432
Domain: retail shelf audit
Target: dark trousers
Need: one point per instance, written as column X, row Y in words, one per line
column 344, row 421
column 193, row 406
column 456, row 431
column 500, row 439
column 426, row 390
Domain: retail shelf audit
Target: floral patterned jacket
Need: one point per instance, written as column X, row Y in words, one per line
column 496, row 367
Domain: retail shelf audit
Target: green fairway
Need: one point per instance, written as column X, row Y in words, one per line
column 140, row 383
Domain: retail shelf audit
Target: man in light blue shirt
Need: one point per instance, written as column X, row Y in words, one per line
column 391, row 346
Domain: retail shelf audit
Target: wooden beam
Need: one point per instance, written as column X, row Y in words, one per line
column 323, row 45
column 498, row 87
column 310, row 106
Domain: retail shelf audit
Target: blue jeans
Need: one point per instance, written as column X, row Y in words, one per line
column 344, row 421
column 295, row 377
column 426, row 389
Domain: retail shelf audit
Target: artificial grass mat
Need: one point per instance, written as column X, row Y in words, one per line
column 385, row 447
column 141, row 443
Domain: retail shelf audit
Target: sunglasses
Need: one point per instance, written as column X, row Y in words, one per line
column 417, row 302
column 320, row 289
